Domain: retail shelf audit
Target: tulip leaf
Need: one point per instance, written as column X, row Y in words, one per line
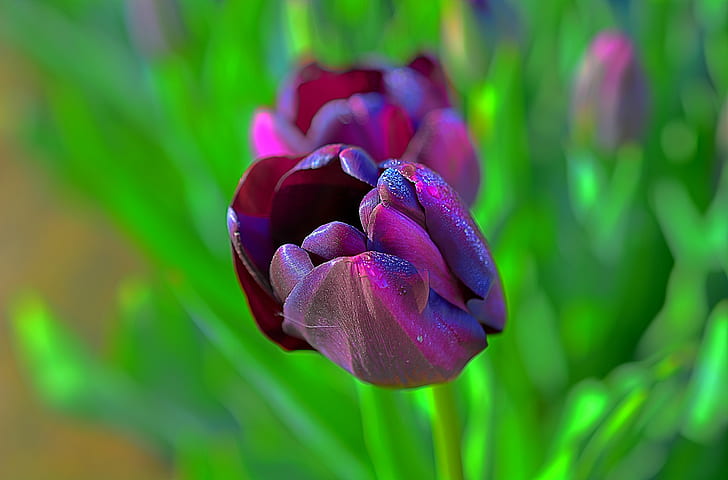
column 708, row 403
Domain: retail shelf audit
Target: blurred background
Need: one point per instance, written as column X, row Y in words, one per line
column 126, row 347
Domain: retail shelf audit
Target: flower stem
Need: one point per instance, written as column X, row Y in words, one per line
column 446, row 433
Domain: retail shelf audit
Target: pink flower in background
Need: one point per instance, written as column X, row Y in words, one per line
column 609, row 102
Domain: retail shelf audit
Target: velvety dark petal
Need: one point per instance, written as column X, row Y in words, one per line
column 393, row 232
column 367, row 121
column 491, row 312
column 251, row 210
column 335, row 239
column 313, row 86
column 353, row 161
column 266, row 309
column 274, row 135
column 374, row 315
column 430, row 68
column 456, row 235
column 366, row 207
column 399, row 192
column 324, row 187
column 289, row 265
column 443, row 144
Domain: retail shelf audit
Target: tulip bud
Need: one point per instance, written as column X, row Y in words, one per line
column 609, row 103
column 154, row 25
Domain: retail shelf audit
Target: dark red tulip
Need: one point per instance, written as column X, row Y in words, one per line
column 390, row 112
column 379, row 267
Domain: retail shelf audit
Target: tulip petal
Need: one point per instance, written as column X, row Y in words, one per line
column 289, row 265
column 273, row 135
column 335, row 239
column 443, row 144
column 430, row 68
column 324, row 187
column 399, row 192
column 374, row 315
column 366, row 207
column 460, row 241
column 313, row 86
column 367, row 121
column 393, row 232
column 415, row 92
column 266, row 309
column 251, row 209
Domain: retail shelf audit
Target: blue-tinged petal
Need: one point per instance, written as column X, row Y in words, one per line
column 375, row 316
column 393, row 232
column 414, row 92
column 452, row 229
column 399, row 192
column 443, row 144
column 324, row 187
column 366, row 207
column 355, row 162
column 367, row 121
column 289, row 265
column 335, row 239
column 431, row 70
column 273, row 135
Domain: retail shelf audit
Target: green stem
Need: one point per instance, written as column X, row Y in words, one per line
column 391, row 433
column 446, row 433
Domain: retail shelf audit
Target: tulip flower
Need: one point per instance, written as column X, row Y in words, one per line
column 155, row 26
column 379, row 267
column 610, row 95
column 402, row 112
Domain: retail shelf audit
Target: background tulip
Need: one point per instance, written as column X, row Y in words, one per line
column 404, row 301
column 609, row 102
column 391, row 112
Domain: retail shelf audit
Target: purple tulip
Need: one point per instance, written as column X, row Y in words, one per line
column 389, row 112
column 610, row 95
column 379, row 267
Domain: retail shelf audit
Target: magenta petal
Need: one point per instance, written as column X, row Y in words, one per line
column 367, row 121
column 273, row 135
column 393, row 232
column 289, row 265
column 374, row 315
column 460, row 241
column 335, row 239
column 324, row 187
column 443, row 144
column 313, row 86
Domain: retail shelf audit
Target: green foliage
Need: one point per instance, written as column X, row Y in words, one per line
column 614, row 363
